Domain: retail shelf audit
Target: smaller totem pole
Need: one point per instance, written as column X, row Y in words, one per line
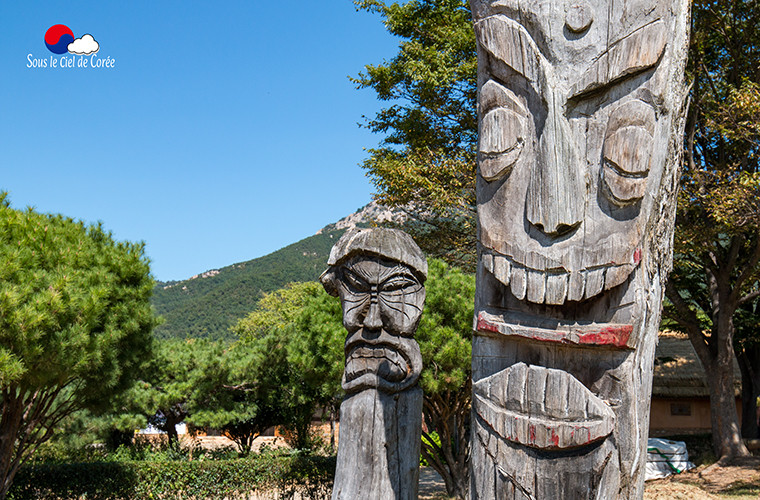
column 378, row 275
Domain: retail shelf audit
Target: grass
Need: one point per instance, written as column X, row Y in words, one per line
column 741, row 492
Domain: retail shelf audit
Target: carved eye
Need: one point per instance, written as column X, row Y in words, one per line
column 397, row 282
column 502, row 131
column 355, row 282
column 628, row 152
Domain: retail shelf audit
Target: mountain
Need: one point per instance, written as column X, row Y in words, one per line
column 207, row 304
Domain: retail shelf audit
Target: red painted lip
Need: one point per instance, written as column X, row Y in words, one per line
column 617, row 335
column 601, row 335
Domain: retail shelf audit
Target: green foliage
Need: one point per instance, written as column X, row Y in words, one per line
column 236, row 395
column 445, row 331
column 73, row 305
column 296, row 336
column 206, row 384
column 431, row 81
column 445, row 338
column 436, row 189
column 717, row 241
column 209, row 306
column 426, row 163
column 75, row 324
column 431, row 439
column 168, row 384
column 283, row 473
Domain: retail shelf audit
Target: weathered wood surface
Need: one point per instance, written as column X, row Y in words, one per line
column 378, row 275
column 541, row 407
column 581, row 113
column 379, row 446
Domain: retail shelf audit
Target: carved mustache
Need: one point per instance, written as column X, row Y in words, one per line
column 386, row 362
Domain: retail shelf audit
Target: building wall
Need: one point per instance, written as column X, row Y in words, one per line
column 681, row 416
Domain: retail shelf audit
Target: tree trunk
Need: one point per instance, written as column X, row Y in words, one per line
column 719, row 367
column 171, row 430
column 448, row 414
column 10, row 423
column 727, row 440
column 749, row 363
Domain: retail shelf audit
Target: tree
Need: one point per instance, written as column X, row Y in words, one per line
column 717, row 241
column 297, row 335
column 234, row 393
column 168, row 384
column 425, row 166
column 445, row 336
column 317, row 352
column 75, row 325
column 177, row 383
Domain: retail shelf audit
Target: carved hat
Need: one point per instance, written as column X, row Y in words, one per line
column 390, row 244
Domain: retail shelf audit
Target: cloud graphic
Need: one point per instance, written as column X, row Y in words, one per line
column 84, row 46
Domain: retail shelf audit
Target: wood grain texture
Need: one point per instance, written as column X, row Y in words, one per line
column 379, row 446
column 581, row 113
column 378, row 275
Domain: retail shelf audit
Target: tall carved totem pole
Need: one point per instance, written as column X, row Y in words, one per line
column 581, row 111
column 378, row 275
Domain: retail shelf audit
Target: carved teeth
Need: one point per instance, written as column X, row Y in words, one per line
column 594, row 281
column 576, row 286
column 502, row 267
column 554, row 286
column 536, row 290
column 616, row 275
column 383, row 361
column 518, row 281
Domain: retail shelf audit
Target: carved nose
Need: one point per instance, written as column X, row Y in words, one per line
column 556, row 191
column 372, row 320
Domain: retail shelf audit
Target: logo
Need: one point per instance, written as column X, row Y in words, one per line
column 60, row 40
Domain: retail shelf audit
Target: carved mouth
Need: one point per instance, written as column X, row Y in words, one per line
column 378, row 359
column 385, row 362
column 557, row 285
column 542, row 408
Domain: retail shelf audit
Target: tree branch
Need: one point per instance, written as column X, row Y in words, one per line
column 748, row 271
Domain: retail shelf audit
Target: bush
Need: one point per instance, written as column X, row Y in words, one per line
column 311, row 476
column 699, row 447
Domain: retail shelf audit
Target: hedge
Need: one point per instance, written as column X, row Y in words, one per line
column 310, row 476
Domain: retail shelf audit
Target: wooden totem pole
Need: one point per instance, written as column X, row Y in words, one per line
column 581, row 111
column 378, row 275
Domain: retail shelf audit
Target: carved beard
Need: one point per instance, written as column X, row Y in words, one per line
column 387, row 362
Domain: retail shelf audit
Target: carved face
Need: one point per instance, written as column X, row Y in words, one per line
column 382, row 304
column 573, row 140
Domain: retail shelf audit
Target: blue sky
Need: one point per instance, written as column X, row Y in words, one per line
column 225, row 130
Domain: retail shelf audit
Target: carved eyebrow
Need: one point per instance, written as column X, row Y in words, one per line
column 509, row 42
column 632, row 54
column 355, row 277
column 399, row 271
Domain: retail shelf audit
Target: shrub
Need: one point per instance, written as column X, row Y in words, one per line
column 311, row 476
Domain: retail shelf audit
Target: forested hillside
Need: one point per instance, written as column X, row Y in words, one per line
column 208, row 304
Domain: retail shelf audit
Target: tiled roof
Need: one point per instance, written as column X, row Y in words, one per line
column 677, row 370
